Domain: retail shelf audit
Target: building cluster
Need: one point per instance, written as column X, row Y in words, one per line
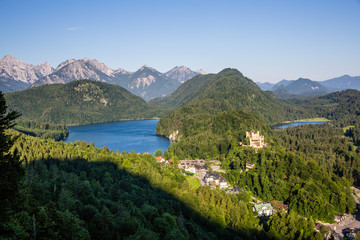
column 213, row 180
column 193, row 166
column 206, row 177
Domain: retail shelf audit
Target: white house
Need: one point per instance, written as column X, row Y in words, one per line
column 263, row 209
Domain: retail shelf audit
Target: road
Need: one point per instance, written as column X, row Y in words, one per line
column 352, row 221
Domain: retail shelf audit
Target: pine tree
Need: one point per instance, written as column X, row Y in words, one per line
column 11, row 170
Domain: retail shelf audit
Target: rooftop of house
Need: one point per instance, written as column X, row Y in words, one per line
column 215, row 176
column 350, row 230
column 338, row 217
column 279, row 205
column 190, row 166
column 250, row 165
column 263, row 207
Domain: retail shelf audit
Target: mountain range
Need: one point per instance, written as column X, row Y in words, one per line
column 146, row 82
column 16, row 75
column 303, row 87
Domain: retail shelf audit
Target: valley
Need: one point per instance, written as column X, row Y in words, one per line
column 224, row 161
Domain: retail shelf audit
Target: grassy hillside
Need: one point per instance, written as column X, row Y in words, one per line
column 78, row 102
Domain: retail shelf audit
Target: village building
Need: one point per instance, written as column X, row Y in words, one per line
column 190, row 168
column 160, row 159
column 193, row 166
column 278, row 206
column 145, row 153
column 223, row 184
column 216, row 169
column 350, row 233
column 235, row 190
column 339, row 218
column 263, row 209
column 200, row 169
column 249, row 166
column 214, row 180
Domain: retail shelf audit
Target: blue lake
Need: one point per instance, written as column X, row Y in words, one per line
column 293, row 124
column 138, row 136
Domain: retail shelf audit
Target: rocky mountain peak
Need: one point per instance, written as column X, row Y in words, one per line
column 202, row 72
column 146, row 67
column 15, row 69
column 64, row 64
column 181, row 73
column 122, row 71
column 10, row 59
column 72, row 69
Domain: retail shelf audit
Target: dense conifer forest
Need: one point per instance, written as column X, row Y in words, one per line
column 42, row 129
column 53, row 190
column 78, row 103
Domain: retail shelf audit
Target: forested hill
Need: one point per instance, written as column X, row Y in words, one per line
column 78, row 102
column 205, row 99
column 227, row 90
column 342, row 106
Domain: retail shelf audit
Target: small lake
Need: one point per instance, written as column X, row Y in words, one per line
column 137, row 136
column 293, row 124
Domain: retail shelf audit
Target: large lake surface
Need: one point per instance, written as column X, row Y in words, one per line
column 293, row 124
column 138, row 136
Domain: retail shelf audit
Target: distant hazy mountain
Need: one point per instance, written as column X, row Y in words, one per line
column 281, row 93
column 312, row 88
column 269, row 86
column 343, row 82
column 301, row 87
column 265, row 86
column 78, row 102
column 182, row 73
column 283, row 83
column 149, row 83
column 16, row 75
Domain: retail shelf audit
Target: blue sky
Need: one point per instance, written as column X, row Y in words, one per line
column 265, row 40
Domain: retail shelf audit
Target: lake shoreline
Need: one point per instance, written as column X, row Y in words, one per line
column 133, row 135
column 287, row 124
column 307, row 120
